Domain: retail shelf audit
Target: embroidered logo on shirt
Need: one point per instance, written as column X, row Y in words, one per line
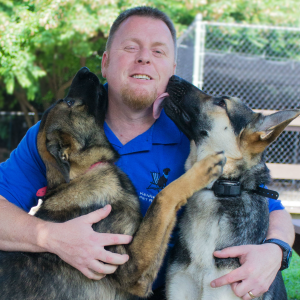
column 159, row 182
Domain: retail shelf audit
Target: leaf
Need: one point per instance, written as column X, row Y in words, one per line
column 10, row 84
column 38, row 72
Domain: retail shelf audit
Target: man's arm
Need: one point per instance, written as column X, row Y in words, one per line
column 259, row 263
column 74, row 241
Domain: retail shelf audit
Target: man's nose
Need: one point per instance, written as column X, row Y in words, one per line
column 143, row 57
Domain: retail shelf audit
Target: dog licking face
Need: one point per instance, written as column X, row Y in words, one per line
column 216, row 219
column 223, row 124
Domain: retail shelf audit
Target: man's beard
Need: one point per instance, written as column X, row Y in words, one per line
column 138, row 99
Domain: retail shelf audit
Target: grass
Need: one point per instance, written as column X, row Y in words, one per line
column 291, row 278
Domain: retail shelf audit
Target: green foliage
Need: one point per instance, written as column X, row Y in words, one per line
column 291, row 278
column 44, row 42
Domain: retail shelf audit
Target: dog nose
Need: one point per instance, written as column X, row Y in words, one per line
column 225, row 97
column 83, row 72
column 175, row 78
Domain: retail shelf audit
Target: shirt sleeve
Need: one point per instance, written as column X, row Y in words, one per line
column 24, row 173
column 275, row 205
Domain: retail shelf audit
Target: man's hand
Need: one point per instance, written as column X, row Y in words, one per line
column 79, row 245
column 259, row 266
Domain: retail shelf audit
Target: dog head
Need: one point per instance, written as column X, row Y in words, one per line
column 71, row 136
column 223, row 124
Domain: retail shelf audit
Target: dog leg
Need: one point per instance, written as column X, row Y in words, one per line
column 150, row 241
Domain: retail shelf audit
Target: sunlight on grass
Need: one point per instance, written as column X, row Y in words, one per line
column 291, row 278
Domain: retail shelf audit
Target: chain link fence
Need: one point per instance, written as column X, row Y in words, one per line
column 12, row 129
column 260, row 65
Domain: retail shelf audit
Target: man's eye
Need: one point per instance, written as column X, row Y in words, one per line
column 158, row 52
column 130, row 48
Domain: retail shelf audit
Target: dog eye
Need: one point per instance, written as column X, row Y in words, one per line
column 70, row 102
column 221, row 103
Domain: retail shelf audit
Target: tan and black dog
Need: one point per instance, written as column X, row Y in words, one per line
column 81, row 178
column 215, row 218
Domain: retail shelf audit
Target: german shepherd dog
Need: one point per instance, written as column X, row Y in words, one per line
column 81, row 178
column 213, row 222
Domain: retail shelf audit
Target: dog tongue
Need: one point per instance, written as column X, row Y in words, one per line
column 157, row 107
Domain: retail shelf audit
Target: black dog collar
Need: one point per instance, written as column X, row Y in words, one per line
column 230, row 188
column 267, row 193
column 227, row 188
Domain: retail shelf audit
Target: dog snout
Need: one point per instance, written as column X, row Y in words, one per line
column 83, row 72
column 225, row 97
column 175, row 79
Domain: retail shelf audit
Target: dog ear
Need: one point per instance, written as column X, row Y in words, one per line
column 273, row 125
column 264, row 130
column 54, row 146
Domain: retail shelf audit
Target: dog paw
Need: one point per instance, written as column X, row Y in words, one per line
column 210, row 168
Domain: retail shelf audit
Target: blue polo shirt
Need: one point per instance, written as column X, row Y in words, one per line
column 151, row 160
column 156, row 154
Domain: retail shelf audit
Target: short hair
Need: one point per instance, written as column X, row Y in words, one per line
column 142, row 11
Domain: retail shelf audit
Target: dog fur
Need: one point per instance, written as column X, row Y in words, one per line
column 212, row 223
column 71, row 139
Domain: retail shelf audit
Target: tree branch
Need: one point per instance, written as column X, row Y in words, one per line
column 25, row 107
column 97, row 37
column 82, row 61
column 61, row 91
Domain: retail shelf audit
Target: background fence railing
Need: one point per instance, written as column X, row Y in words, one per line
column 260, row 65
column 12, row 129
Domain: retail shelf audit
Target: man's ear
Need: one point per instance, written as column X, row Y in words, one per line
column 54, row 146
column 264, row 130
column 174, row 68
column 104, row 63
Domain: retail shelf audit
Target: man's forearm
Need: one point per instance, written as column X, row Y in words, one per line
column 281, row 227
column 73, row 241
column 19, row 230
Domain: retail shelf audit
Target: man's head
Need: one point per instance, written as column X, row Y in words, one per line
column 142, row 11
column 140, row 57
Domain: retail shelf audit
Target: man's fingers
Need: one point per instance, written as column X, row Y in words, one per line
column 253, row 294
column 100, row 268
column 113, row 258
column 91, row 274
column 242, row 289
column 239, row 289
column 233, row 276
column 236, row 251
column 108, row 239
column 252, row 275
column 97, row 215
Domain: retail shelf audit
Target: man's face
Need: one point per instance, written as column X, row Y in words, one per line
column 140, row 61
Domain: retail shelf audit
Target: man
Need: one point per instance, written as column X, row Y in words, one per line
column 139, row 59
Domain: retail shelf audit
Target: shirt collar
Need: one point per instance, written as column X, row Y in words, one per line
column 142, row 142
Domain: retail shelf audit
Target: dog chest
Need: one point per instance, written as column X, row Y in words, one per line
column 199, row 227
